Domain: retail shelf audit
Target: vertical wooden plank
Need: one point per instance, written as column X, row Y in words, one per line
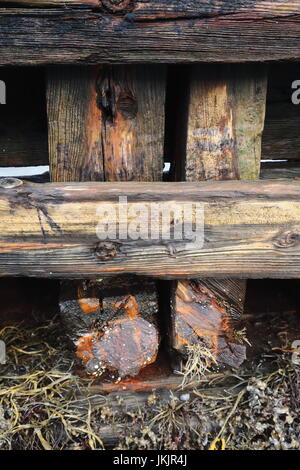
column 226, row 111
column 225, row 122
column 74, row 124
column 107, row 123
column 132, row 100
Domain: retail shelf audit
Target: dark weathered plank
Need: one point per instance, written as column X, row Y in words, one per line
column 166, row 9
column 74, row 122
column 225, row 122
column 251, row 230
column 281, row 137
column 280, row 170
column 41, row 36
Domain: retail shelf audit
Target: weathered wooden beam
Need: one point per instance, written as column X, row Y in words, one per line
column 57, row 36
column 166, row 9
column 108, row 123
column 251, row 230
column 225, row 118
column 74, row 124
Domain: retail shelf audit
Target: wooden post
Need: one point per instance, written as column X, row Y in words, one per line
column 226, row 111
column 108, row 123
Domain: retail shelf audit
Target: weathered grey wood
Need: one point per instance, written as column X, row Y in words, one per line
column 74, row 122
column 225, row 122
column 251, row 230
column 166, row 9
column 56, row 36
column 225, row 118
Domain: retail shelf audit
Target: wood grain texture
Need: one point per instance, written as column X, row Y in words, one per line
column 57, row 36
column 74, row 124
column 165, row 9
column 106, row 123
column 132, row 100
column 225, row 122
column 251, row 230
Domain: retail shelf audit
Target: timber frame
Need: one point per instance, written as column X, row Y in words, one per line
column 181, row 31
column 251, row 229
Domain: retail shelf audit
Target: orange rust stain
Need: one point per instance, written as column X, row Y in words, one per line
column 89, row 305
column 84, row 347
column 130, row 305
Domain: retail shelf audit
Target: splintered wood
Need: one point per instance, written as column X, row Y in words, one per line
column 205, row 312
column 112, row 324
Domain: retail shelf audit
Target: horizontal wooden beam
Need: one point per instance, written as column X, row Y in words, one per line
column 251, row 229
column 246, row 31
column 173, row 9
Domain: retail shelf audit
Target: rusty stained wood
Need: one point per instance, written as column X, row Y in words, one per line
column 106, row 123
column 132, row 100
column 82, row 36
column 112, row 324
column 251, row 230
column 225, row 122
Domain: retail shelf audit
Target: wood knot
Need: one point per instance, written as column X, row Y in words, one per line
column 9, row 183
column 288, row 239
column 116, row 5
column 106, row 251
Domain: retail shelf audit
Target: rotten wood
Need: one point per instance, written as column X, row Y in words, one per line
column 251, row 229
column 205, row 312
column 225, row 122
column 225, row 119
column 113, row 324
column 82, row 36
